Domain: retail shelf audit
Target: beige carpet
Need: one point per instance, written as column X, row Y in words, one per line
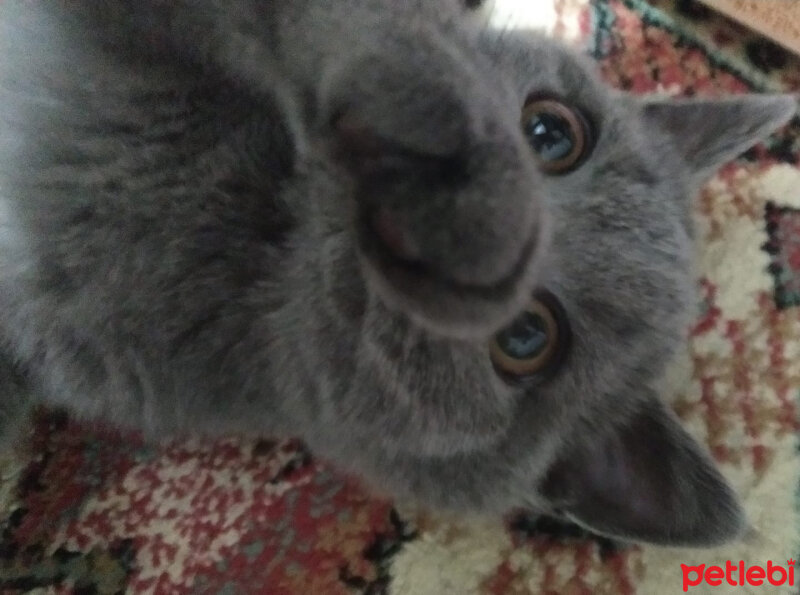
column 777, row 19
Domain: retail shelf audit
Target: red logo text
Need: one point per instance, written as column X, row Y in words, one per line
column 738, row 574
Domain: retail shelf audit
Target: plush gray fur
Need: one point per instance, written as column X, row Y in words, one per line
column 183, row 250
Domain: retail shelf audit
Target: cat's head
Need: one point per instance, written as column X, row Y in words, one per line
column 525, row 235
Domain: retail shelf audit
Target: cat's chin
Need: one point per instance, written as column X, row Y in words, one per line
column 445, row 306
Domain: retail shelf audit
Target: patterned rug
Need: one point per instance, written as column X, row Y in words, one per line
column 86, row 512
column 778, row 20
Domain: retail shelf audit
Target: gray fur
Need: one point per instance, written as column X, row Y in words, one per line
column 181, row 188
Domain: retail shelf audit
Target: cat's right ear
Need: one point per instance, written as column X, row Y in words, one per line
column 710, row 132
column 645, row 480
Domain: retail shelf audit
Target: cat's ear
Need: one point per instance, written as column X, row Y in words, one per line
column 646, row 481
column 710, row 132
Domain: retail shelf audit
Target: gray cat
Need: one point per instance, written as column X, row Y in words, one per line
column 447, row 257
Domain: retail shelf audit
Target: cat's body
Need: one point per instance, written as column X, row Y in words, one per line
column 187, row 246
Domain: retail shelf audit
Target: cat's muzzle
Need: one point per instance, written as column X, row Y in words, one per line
column 397, row 268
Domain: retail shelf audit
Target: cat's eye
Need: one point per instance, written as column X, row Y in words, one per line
column 559, row 135
column 535, row 342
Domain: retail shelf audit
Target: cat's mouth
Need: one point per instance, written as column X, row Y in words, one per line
column 431, row 297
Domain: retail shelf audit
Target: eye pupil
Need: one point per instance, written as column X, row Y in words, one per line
column 550, row 136
column 525, row 338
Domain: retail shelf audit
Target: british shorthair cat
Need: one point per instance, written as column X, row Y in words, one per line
column 447, row 257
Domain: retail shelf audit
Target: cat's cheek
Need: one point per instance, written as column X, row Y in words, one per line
column 425, row 400
column 419, row 430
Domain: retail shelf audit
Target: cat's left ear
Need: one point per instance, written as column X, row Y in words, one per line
column 711, row 132
column 646, row 480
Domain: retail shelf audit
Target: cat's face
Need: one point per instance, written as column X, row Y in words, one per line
column 524, row 236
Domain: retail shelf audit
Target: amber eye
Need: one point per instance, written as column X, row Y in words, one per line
column 534, row 344
column 558, row 134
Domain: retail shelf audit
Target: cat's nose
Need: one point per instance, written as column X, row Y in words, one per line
column 450, row 215
column 393, row 232
column 453, row 239
column 470, row 216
